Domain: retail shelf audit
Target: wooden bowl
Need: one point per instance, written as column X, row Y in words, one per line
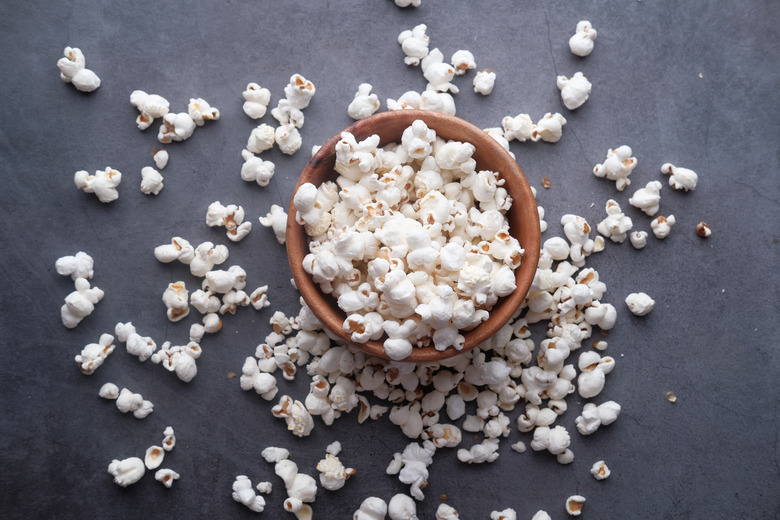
column 489, row 155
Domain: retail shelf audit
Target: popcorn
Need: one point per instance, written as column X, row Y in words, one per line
column 408, row 3
column 402, row 507
column 166, row 476
column 176, row 127
column 411, row 466
column 129, row 401
column 179, row 249
column 288, row 139
column 463, row 61
column 205, row 257
column 617, row 167
column 506, row 514
column 256, row 169
column 446, row 512
column 599, row 470
column 520, row 127
column 364, row 103
column 179, row 359
column 154, row 457
column 73, row 70
column 261, row 139
column 581, row 44
column 484, row 81
column 176, row 301
column 549, row 128
column 703, row 229
column 160, row 157
column 648, row 198
column 103, row 183
column 256, row 100
column 244, row 494
column 259, row 297
column 541, row 515
column 150, row 106
column 94, row 354
column 438, row 73
column 109, row 391
column 617, row 225
column 640, row 303
column 680, row 178
column 276, row 219
column 299, row 91
column 594, row 416
column 127, row 471
column 574, row 505
column 372, row 508
column 486, row 451
column 300, row 487
column 574, row 90
column 169, row 441
column 80, row 265
column 200, row 111
column 592, row 377
column 414, row 43
column 151, row 181
column 638, row 239
column 555, row 440
column 298, row 419
column 272, row 454
column 231, row 217
column 333, row 474
column 141, row 346
column 661, row 226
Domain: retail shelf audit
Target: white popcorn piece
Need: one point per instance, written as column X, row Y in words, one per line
column 372, row 508
column 180, row 359
column 160, row 158
column 408, row 3
column 80, row 265
column 166, row 476
column 506, row 514
column 414, row 43
column 205, row 257
column 484, row 81
column 438, row 72
column 109, row 391
column 364, row 103
column 130, row 402
column 703, row 229
column 402, row 507
column 200, row 111
column 599, row 470
column 617, row 225
column 541, row 515
column 273, row 454
column 334, row 448
column 333, row 474
column 662, row 226
column 256, row 169
column 463, row 61
column 245, row 494
column 680, row 178
column 575, row 90
column 261, row 139
column 519, row 447
column 446, row 512
column 103, row 184
column 176, row 127
column 179, row 249
column 151, row 181
column 154, row 457
column 593, row 416
column 140, row 346
column 640, row 303
column 264, row 487
column 176, row 300
column 574, row 505
column 411, row 466
column 256, row 99
column 94, row 354
column 486, row 451
column 276, row 219
column 169, row 439
column 617, row 167
column 549, row 128
column 73, row 70
column 299, row 420
column 520, row 127
column 299, row 91
column 231, row 217
column 288, row 139
column 648, row 198
column 638, row 239
column 301, row 488
column 127, row 471
column 80, row 303
column 259, row 297
column 581, row 44
column 150, row 106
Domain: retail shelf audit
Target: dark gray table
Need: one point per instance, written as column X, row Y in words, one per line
column 693, row 83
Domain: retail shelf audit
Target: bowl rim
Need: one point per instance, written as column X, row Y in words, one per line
column 522, row 195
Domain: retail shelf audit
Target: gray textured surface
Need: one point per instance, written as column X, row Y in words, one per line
column 685, row 82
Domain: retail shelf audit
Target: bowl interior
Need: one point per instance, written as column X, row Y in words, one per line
column 489, row 155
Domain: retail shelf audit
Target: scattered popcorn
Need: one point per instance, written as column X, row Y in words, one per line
column 256, row 100
column 638, row 239
column 411, row 466
column 549, row 128
column 288, row 139
column 680, row 178
column 333, row 474
column 103, row 183
column 463, row 61
column 200, row 111
column 127, row 471
column 541, row 515
column 160, row 158
column 169, row 441
column 334, row 448
column 446, row 512
column 438, row 72
column 486, row 451
column 364, row 104
column 94, row 354
column 574, row 505
column 484, row 81
column 179, row 359
column 176, row 127
column 231, row 217
column 128, row 402
column 154, row 457
column 617, row 167
column 661, row 226
column 581, row 44
column 150, row 106
column 264, row 487
column 372, row 508
column 617, row 225
column 140, row 346
column 299, row 91
column 301, row 488
column 80, row 303
column 506, row 514
column 109, row 391
column 599, row 470
column 640, row 303
column 261, row 139
column 262, row 382
column 176, row 300
column 574, row 90
column 204, row 258
column 408, row 3
column 648, row 198
column 273, row 454
column 594, row 416
column 81, row 265
column 402, row 507
column 520, row 127
column 245, row 494
column 519, row 447
column 671, row 397
column 73, row 70
column 299, row 420
column 414, row 43
column 151, row 181
column 703, row 229
column 166, row 476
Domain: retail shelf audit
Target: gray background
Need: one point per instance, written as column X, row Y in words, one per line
column 689, row 82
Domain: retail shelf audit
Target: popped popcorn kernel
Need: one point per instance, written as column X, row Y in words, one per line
column 256, row 99
column 703, row 229
column 640, row 303
column 150, row 106
column 617, row 167
column 662, row 226
column 484, row 81
column 364, row 103
column 581, row 44
column 414, row 43
column 463, row 61
column 166, row 477
column 127, row 471
column 680, row 178
column 599, row 470
column 103, row 184
column 73, row 70
column 575, row 90
column 574, row 505
column 94, row 354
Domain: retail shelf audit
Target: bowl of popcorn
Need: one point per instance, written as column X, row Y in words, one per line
column 413, row 235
